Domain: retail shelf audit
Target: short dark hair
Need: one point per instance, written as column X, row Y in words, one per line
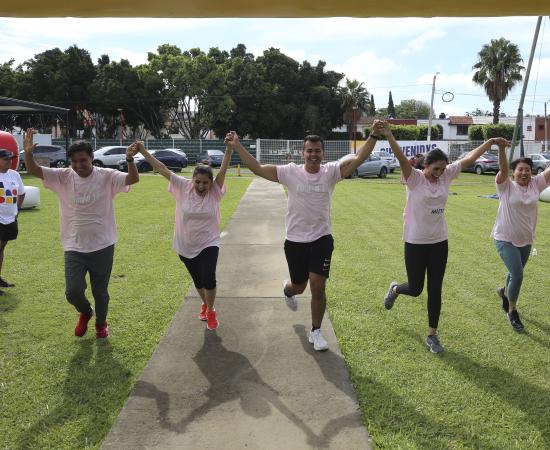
column 435, row 155
column 313, row 138
column 515, row 162
column 202, row 169
column 80, row 146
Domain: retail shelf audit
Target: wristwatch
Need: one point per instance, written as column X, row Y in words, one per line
column 375, row 137
column 129, row 160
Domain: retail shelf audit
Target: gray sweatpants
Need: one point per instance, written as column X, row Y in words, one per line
column 99, row 265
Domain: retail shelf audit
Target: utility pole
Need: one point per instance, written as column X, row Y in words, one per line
column 431, row 109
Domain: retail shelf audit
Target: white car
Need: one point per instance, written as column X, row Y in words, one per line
column 540, row 162
column 109, row 156
column 390, row 157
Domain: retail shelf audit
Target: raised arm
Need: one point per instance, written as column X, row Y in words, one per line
column 220, row 177
column 503, row 171
column 155, row 163
column 133, row 175
column 30, row 163
column 471, row 157
column 348, row 166
column 267, row 171
column 383, row 129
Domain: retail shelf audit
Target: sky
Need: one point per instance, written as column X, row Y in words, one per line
column 401, row 55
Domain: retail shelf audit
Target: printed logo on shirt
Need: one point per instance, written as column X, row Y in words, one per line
column 312, row 188
column 8, row 194
column 438, row 211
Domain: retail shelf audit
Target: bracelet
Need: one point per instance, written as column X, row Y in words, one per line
column 373, row 136
column 129, row 160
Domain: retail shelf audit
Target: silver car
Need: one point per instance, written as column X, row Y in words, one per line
column 485, row 163
column 109, row 156
column 390, row 157
column 540, row 162
column 373, row 166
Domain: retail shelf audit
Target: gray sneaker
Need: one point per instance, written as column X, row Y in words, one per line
column 391, row 296
column 433, row 344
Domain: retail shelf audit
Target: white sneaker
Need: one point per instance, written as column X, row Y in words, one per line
column 290, row 301
column 316, row 338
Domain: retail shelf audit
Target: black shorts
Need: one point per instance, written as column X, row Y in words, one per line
column 305, row 257
column 9, row 232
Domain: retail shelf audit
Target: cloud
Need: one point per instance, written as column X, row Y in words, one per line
column 366, row 67
column 418, row 44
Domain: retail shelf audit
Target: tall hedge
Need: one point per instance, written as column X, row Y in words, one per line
column 476, row 133
column 410, row 132
column 484, row 132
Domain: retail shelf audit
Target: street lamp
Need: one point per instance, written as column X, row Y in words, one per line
column 431, row 109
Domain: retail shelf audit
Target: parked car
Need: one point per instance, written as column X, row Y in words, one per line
column 485, row 163
column 212, row 158
column 540, row 162
column 174, row 159
column 390, row 157
column 55, row 154
column 109, row 156
column 372, row 166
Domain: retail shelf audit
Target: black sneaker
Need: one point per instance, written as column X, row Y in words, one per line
column 391, row 295
column 504, row 298
column 433, row 344
column 515, row 321
column 4, row 283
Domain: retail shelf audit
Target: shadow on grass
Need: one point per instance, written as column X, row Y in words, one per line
column 518, row 393
column 88, row 393
column 8, row 303
column 544, row 327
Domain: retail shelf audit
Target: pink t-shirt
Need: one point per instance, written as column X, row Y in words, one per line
column 197, row 217
column 309, row 197
column 86, row 211
column 517, row 211
column 424, row 215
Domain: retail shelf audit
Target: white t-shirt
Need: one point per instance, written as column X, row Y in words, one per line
column 517, row 211
column 424, row 216
column 197, row 224
column 309, row 198
column 11, row 186
column 86, row 211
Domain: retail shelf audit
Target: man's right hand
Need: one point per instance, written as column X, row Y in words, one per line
column 231, row 139
column 28, row 144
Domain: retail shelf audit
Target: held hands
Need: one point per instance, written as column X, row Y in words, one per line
column 28, row 144
column 381, row 128
column 231, row 139
column 500, row 142
column 134, row 149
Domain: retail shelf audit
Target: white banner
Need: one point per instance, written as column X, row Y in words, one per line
column 411, row 148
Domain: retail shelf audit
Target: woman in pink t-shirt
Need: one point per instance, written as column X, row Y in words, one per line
column 197, row 225
column 514, row 229
column 425, row 228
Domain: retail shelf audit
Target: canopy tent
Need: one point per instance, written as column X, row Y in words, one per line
column 281, row 8
column 22, row 107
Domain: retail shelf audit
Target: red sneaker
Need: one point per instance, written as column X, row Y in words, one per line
column 202, row 314
column 102, row 331
column 82, row 325
column 212, row 323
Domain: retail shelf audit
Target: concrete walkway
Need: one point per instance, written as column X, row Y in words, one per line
column 256, row 382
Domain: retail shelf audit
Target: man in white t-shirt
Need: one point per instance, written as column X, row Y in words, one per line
column 12, row 194
column 309, row 243
column 87, row 222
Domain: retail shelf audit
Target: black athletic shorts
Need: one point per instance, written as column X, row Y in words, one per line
column 305, row 257
column 9, row 232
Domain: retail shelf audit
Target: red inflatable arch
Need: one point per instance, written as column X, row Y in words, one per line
column 8, row 142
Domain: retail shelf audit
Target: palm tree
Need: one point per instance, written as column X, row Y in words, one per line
column 355, row 100
column 498, row 71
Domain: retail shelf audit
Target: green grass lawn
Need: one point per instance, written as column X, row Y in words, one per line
column 50, row 396
column 491, row 387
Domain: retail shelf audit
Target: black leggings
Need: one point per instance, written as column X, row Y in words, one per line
column 420, row 258
column 202, row 267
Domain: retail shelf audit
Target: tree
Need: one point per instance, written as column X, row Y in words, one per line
column 479, row 112
column 412, row 109
column 355, row 101
column 498, row 70
column 391, row 107
column 372, row 107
